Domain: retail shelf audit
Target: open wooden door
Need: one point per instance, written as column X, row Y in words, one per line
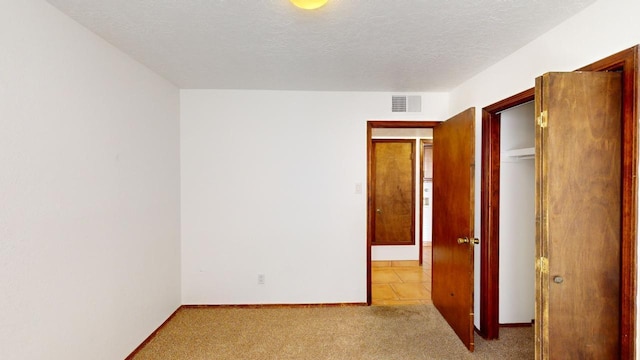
column 453, row 232
column 578, row 215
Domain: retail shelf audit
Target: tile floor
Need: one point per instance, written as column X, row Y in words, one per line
column 402, row 282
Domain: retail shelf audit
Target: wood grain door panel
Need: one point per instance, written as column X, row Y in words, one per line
column 453, row 218
column 578, row 215
column 394, row 192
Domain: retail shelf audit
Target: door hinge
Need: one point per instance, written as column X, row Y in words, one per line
column 543, row 265
column 542, row 119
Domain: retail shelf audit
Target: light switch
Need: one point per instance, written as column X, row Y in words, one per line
column 358, row 188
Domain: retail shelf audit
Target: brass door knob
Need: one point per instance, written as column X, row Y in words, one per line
column 466, row 240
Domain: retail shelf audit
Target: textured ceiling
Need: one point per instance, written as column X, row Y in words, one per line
column 359, row 45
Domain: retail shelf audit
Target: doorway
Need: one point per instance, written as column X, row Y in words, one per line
column 624, row 62
column 372, row 127
column 399, row 276
column 517, row 226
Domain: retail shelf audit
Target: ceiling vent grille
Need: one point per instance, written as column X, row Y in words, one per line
column 403, row 103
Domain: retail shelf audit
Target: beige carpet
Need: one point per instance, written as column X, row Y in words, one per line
column 377, row 332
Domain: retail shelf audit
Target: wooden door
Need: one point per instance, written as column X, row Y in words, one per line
column 578, row 215
column 453, row 209
column 394, row 192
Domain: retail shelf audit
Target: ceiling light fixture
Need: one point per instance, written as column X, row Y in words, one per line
column 309, row 4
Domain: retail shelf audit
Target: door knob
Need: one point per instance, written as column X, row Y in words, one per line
column 379, row 211
column 466, row 240
column 558, row 279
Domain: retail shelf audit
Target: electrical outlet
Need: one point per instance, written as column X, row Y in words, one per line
column 261, row 279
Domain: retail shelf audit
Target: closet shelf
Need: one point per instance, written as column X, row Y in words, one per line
column 521, row 154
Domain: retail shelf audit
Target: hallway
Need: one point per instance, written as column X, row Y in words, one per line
column 402, row 282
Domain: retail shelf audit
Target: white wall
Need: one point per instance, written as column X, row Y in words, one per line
column 427, row 213
column 268, row 187
column 604, row 28
column 89, row 191
column 517, row 218
column 89, row 181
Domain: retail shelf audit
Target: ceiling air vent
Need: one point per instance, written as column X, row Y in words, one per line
column 404, row 103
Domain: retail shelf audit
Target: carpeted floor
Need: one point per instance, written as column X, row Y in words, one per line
column 376, row 332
